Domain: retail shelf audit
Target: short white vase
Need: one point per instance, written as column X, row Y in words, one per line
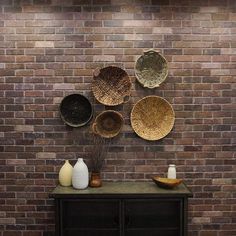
column 80, row 175
column 171, row 174
column 65, row 174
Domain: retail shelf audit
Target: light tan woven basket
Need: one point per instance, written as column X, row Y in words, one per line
column 108, row 124
column 151, row 69
column 111, row 86
column 152, row 118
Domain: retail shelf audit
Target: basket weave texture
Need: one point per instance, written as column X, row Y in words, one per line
column 152, row 118
column 76, row 110
column 151, row 69
column 108, row 124
column 111, row 86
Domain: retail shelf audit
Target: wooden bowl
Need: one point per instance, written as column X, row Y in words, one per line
column 76, row 110
column 111, row 86
column 108, row 124
column 166, row 183
column 151, row 69
column 152, row 118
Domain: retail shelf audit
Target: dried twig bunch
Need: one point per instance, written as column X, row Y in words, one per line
column 98, row 153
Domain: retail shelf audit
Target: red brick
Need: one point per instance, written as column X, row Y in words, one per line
column 54, row 48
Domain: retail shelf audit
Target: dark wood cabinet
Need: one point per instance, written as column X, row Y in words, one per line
column 121, row 209
column 89, row 217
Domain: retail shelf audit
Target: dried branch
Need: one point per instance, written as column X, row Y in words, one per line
column 98, row 153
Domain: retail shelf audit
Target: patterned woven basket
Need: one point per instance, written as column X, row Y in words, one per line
column 152, row 118
column 151, row 69
column 108, row 124
column 111, row 86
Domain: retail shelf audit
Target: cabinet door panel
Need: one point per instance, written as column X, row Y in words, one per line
column 78, row 214
column 156, row 213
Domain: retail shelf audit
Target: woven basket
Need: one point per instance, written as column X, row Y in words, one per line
column 108, row 124
column 111, row 86
column 152, row 118
column 76, row 110
column 151, row 69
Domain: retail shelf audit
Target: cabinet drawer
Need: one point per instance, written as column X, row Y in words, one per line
column 89, row 214
column 156, row 213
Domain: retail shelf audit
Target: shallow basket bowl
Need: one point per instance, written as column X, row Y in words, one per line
column 108, row 124
column 76, row 110
column 166, row 182
column 152, row 118
column 111, row 86
column 151, row 69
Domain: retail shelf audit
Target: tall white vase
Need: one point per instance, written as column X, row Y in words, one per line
column 65, row 174
column 80, row 175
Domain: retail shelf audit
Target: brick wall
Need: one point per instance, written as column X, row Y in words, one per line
column 49, row 48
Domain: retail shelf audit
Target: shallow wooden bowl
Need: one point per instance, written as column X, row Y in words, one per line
column 166, row 183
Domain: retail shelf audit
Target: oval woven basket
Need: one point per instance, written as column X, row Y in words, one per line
column 76, row 110
column 108, row 124
column 111, row 86
column 152, row 118
column 151, row 69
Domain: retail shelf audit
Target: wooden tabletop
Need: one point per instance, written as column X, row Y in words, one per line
column 122, row 188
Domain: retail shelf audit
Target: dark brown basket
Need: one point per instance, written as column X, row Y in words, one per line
column 108, row 124
column 76, row 110
column 151, row 69
column 111, row 86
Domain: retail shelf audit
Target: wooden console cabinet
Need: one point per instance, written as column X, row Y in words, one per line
column 121, row 209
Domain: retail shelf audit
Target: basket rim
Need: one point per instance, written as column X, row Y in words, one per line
column 104, row 112
column 70, row 123
column 138, row 77
column 132, row 115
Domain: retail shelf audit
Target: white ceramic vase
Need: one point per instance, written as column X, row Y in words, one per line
column 80, row 175
column 171, row 172
column 65, row 174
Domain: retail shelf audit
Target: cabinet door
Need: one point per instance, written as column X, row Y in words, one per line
column 90, row 217
column 153, row 217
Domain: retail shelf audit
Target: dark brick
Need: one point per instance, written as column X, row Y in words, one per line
column 7, row 72
column 83, row 44
column 13, row 9
column 49, row 49
column 45, row 58
column 74, row 37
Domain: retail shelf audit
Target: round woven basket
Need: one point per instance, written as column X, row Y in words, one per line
column 111, row 86
column 151, row 69
column 76, row 110
column 108, row 124
column 152, row 118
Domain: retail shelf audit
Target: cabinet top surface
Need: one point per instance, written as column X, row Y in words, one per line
column 122, row 188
